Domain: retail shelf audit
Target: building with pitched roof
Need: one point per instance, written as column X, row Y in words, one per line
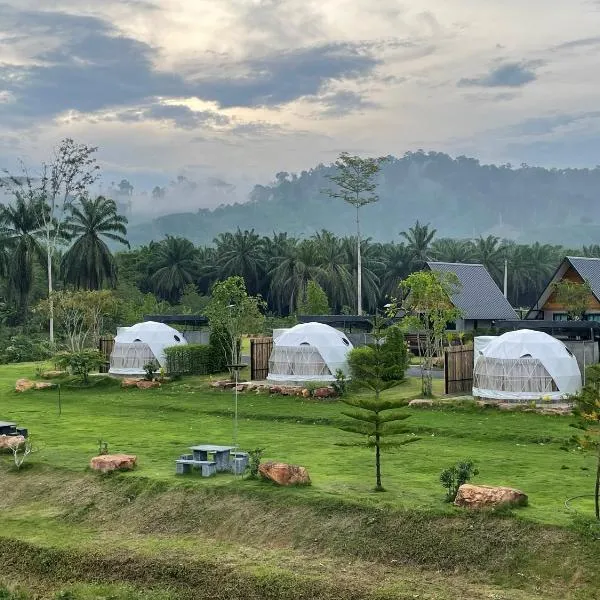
column 576, row 269
column 479, row 299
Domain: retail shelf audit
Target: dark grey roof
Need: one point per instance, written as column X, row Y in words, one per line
column 589, row 269
column 479, row 296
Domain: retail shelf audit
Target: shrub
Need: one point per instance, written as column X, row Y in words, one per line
column 150, row 368
column 453, row 477
column 396, row 357
column 191, row 359
column 254, row 462
column 25, row 348
column 340, row 384
column 81, row 362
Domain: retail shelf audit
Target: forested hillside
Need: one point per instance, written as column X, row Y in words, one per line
column 460, row 197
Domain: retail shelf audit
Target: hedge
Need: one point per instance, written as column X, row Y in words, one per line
column 191, row 359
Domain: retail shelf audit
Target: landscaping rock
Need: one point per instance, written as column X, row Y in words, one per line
column 43, row 385
column 22, row 385
column 130, row 383
column 484, row 496
column 284, row 474
column 324, row 392
column 147, row 385
column 113, row 462
column 419, row 402
column 305, row 393
column 8, row 442
column 53, row 374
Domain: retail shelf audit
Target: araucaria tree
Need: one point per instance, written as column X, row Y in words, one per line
column 587, row 409
column 428, row 311
column 374, row 369
column 355, row 179
column 232, row 313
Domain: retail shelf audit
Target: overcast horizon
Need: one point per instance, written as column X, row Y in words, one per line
column 241, row 89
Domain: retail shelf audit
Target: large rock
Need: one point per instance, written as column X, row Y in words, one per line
column 324, row 392
column 53, row 374
column 129, row 383
column 284, row 474
column 113, row 462
column 147, row 385
column 44, row 385
column 23, row 385
column 483, row 496
column 8, row 442
column 420, row 403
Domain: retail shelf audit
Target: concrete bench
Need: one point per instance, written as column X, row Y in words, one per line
column 239, row 462
column 183, row 466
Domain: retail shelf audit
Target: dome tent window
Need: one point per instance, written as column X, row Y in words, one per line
column 141, row 344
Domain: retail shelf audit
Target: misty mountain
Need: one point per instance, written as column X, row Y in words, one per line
column 460, row 197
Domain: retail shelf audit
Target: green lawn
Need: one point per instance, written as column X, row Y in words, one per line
column 515, row 449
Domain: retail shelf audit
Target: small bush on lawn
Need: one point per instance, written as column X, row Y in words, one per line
column 255, row 457
column 453, row 477
column 80, row 363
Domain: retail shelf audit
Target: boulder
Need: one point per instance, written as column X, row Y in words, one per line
column 129, row 383
column 53, row 374
column 8, row 442
column 147, row 385
column 484, row 496
column 421, row 403
column 106, row 463
column 43, row 385
column 22, row 385
column 305, row 393
column 284, row 474
column 324, row 392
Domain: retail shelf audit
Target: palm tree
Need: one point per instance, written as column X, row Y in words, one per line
column 397, row 259
column 89, row 262
column 175, row 265
column 241, row 253
column 371, row 265
column 21, row 228
column 491, row 254
column 453, row 251
column 419, row 238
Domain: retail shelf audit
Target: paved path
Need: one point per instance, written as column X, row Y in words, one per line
column 415, row 371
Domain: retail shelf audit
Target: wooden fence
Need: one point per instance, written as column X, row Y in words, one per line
column 458, row 369
column 260, row 351
column 105, row 345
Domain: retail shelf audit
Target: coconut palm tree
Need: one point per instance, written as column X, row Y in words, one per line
column 21, row 229
column 89, row 262
column 175, row 265
column 419, row 238
column 490, row 252
column 453, row 251
column 397, row 259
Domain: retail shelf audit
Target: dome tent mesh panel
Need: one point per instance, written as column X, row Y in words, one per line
column 299, row 361
column 519, row 375
column 132, row 356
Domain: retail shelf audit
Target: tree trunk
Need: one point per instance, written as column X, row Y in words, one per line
column 378, row 486
column 359, row 268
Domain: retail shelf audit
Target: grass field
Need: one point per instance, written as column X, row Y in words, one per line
column 312, row 533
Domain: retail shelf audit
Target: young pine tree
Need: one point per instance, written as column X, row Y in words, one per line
column 375, row 416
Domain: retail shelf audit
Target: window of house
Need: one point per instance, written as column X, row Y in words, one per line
column 559, row 317
column 595, row 317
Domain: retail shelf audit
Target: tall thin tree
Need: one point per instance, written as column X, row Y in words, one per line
column 355, row 179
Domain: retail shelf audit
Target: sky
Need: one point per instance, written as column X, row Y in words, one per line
column 237, row 90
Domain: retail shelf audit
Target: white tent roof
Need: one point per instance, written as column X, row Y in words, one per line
column 157, row 336
column 558, row 361
column 333, row 345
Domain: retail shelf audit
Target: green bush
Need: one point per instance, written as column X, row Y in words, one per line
column 191, row 359
column 453, row 477
column 219, row 341
column 396, row 357
column 25, row 348
column 80, row 363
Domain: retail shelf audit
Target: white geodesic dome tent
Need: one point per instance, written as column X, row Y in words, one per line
column 525, row 365
column 140, row 344
column 309, row 352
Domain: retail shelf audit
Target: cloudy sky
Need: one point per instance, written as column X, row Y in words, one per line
column 241, row 89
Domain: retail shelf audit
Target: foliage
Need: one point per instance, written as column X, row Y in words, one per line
column 375, row 417
column 315, row 301
column 89, row 263
column 255, row 457
column 396, row 356
column 232, row 311
column 575, row 297
column 150, row 369
column 193, row 302
column 340, row 385
column 587, row 404
column 102, row 447
column 80, row 315
column 80, row 362
column 453, row 477
column 428, row 309
column 355, row 181
column 25, row 348
column 193, row 359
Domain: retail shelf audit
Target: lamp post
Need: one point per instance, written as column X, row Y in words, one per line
column 235, row 366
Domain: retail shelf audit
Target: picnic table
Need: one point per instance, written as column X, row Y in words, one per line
column 222, row 455
column 10, row 428
column 210, row 459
